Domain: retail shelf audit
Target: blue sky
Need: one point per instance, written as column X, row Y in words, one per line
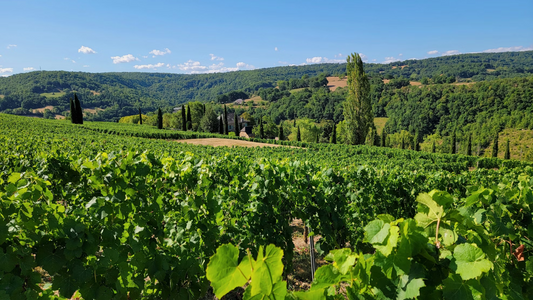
column 219, row 36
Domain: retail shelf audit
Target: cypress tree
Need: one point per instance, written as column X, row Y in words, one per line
column 495, row 146
column 183, row 119
column 220, row 125
column 357, row 107
column 317, row 140
column 402, row 143
column 433, row 148
column 298, row 135
column 189, row 118
column 159, row 119
column 454, row 142
column 236, row 128
column 280, row 135
column 140, row 117
column 294, row 124
column 226, row 131
column 73, row 114
column 507, row 151
column 469, row 145
column 416, row 141
column 333, row 138
column 383, row 138
column 261, row 130
column 78, row 112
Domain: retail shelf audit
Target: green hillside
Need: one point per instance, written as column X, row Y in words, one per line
column 121, row 93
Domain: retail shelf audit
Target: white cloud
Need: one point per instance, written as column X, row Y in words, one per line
column 374, row 59
column 66, row 58
column 195, row 67
column 338, row 55
column 390, row 59
column 85, row 66
column 451, row 52
column 73, row 61
column 150, row 66
column 145, row 56
column 11, row 46
column 86, row 50
column 508, row 49
column 0, row 55
column 275, row 48
column 5, row 75
column 214, row 57
column 6, row 70
column 319, row 60
column 123, row 59
column 433, row 52
column 28, row 69
column 191, row 66
column 159, row 52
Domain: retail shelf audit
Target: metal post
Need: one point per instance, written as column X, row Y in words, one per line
column 312, row 254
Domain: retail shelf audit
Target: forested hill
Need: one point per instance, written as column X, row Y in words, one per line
column 122, row 93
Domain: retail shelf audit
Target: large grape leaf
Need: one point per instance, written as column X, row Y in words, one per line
column 457, row 289
column 410, row 287
column 469, row 261
column 376, row 232
column 225, row 272
column 267, row 270
column 429, row 211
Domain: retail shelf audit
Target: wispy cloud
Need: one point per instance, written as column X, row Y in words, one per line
column 451, row 52
column 275, row 48
column 338, row 55
column 321, row 60
column 123, row 59
column 191, row 66
column 6, row 70
column 150, row 66
column 160, row 52
column 195, row 67
column 433, row 52
column 86, row 66
column 214, row 57
column 86, row 50
column 28, row 69
column 11, row 46
column 508, row 49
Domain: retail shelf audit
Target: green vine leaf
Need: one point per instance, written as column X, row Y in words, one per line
column 469, row 261
column 225, row 272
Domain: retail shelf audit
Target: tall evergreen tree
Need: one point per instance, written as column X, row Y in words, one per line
column 317, row 139
column 73, row 113
column 495, row 146
column 299, row 135
column 383, row 138
column 183, row 119
column 79, row 111
column 159, row 119
column 140, row 117
column 507, row 151
column 189, row 118
column 226, row 131
column 236, row 128
column 433, row 148
column 454, row 142
column 280, row 135
column 357, row 107
column 469, row 145
column 294, row 123
column 261, row 130
column 416, row 141
column 402, row 143
column 220, row 125
column 333, row 138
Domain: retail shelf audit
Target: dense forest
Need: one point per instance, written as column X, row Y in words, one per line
column 121, row 94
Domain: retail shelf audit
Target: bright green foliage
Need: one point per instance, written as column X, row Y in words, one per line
column 333, row 138
column 264, row 273
column 114, row 211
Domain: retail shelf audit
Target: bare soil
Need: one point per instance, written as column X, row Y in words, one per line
column 215, row 142
column 335, row 82
column 41, row 110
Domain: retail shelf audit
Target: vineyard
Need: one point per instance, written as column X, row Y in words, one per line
column 118, row 211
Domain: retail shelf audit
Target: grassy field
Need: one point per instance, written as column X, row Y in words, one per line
column 520, row 143
column 53, row 95
column 380, row 123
